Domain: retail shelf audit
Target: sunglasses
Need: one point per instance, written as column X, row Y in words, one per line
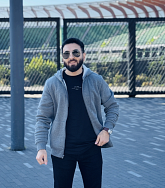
column 75, row 53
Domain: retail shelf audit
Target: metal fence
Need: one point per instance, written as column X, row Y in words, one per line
column 128, row 53
column 41, row 53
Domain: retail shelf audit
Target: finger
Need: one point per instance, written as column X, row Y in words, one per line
column 100, row 143
column 40, row 162
column 39, row 159
column 45, row 159
column 97, row 140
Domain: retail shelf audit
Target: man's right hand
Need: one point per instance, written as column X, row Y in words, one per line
column 42, row 157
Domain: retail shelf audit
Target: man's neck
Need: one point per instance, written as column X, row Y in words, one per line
column 79, row 71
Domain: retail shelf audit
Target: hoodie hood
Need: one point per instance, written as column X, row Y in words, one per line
column 86, row 73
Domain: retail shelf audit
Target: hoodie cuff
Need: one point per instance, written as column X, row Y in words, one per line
column 109, row 126
column 41, row 145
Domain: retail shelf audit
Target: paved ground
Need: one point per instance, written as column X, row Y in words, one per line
column 136, row 160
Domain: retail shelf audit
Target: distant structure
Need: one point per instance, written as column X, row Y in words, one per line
column 98, row 9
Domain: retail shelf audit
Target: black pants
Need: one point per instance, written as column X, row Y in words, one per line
column 90, row 165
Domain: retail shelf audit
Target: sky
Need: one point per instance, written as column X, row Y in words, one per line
column 5, row 3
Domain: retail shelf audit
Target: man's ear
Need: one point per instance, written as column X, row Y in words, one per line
column 84, row 55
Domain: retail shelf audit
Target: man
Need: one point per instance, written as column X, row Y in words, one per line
column 71, row 107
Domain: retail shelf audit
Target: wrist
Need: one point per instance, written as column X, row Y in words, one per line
column 41, row 146
column 107, row 130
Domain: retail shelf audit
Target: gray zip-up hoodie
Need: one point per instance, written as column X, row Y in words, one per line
column 53, row 109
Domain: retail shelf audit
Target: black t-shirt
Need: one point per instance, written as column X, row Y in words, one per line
column 80, row 135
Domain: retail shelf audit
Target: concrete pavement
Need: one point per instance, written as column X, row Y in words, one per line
column 136, row 160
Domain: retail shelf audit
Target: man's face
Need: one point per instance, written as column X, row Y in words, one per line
column 73, row 63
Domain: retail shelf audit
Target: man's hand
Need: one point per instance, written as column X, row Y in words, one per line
column 42, row 157
column 102, row 138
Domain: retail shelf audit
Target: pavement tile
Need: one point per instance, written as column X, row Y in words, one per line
column 138, row 140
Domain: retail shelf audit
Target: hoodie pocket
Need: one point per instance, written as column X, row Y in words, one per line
column 57, row 135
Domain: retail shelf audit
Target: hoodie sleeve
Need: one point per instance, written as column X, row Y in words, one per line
column 45, row 115
column 111, row 107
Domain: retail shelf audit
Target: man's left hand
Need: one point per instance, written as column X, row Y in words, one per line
column 102, row 138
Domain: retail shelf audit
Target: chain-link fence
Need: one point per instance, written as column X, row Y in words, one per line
column 41, row 53
column 128, row 53
column 150, row 56
column 105, row 46
column 4, row 56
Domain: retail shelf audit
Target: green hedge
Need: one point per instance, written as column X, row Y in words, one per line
column 4, row 75
column 39, row 70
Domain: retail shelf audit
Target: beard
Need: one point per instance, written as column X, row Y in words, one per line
column 73, row 68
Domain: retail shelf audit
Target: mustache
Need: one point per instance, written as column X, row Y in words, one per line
column 72, row 60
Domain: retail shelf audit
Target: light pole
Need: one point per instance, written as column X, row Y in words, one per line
column 17, row 75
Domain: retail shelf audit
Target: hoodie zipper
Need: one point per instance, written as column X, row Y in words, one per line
column 63, row 82
column 85, row 103
column 66, row 90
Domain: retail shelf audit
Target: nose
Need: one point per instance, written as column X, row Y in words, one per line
column 71, row 56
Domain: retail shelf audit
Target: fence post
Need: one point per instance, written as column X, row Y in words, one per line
column 131, row 58
column 58, row 44
column 65, row 30
column 17, row 75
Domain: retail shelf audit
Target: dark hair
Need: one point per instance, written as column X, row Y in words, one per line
column 73, row 40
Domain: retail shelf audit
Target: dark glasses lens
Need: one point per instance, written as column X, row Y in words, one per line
column 66, row 54
column 76, row 53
